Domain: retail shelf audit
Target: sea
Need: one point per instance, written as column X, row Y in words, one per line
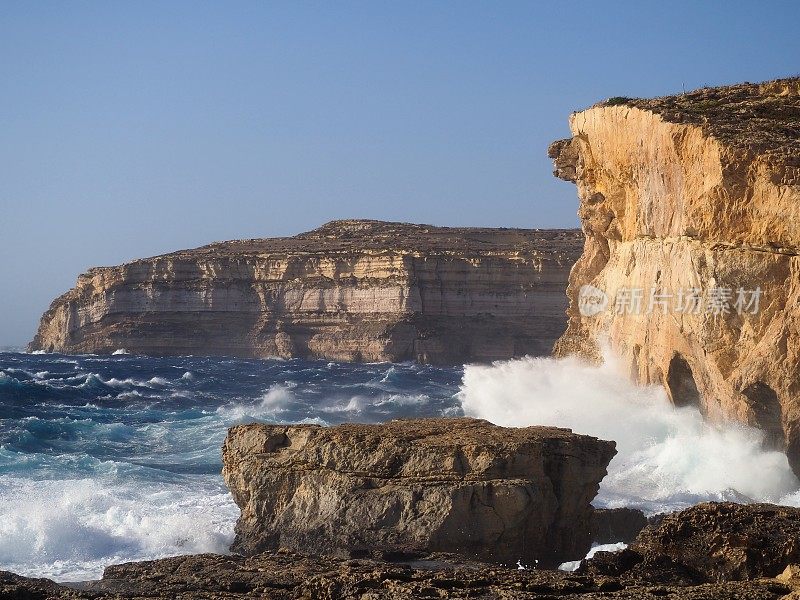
column 108, row 459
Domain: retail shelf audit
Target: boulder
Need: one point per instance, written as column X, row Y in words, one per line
column 710, row 542
column 462, row 486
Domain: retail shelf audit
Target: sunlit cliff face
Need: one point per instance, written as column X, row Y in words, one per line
column 349, row 291
column 695, row 192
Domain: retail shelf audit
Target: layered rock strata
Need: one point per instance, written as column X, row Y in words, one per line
column 691, row 209
column 415, row 486
column 350, row 290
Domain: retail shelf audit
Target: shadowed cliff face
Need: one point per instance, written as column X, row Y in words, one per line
column 350, row 290
column 694, row 192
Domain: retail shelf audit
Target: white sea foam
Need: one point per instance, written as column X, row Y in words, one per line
column 72, row 529
column 152, row 383
column 402, row 400
column 122, row 383
column 573, row 565
column 278, row 396
column 353, row 404
column 119, row 351
column 273, row 402
column 131, row 395
column 387, row 377
column 91, row 379
column 667, row 458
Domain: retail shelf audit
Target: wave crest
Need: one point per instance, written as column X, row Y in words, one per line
column 667, row 459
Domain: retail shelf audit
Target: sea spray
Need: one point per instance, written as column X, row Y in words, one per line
column 72, row 529
column 668, row 458
column 107, row 459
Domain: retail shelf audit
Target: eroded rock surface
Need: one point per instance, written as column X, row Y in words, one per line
column 415, row 486
column 710, row 542
column 350, row 290
column 699, row 191
column 289, row 576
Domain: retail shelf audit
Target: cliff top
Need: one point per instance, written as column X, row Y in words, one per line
column 437, row 447
column 754, row 117
column 364, row 234
column 433, row 433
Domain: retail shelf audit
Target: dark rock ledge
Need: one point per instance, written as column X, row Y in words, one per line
column 284, row 575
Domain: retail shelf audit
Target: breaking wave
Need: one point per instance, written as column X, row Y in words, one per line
column 117, row 458
column 107, row 459
column 668, row 458
column 71, row 529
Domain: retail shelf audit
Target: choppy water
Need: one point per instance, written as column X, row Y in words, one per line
column 117, row 458
column 109, row 459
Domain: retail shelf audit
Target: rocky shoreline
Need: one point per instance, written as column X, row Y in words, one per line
column 289, row 576
column 448, row 508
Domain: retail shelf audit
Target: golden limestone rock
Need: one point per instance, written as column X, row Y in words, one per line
column 690, row 273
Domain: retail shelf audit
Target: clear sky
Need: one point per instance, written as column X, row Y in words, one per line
column 134, row 128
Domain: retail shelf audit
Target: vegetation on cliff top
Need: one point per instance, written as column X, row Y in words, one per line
column 756, row 117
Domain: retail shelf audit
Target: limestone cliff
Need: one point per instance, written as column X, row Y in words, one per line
column 350, row 290
column 696, row 195
column 416, row 486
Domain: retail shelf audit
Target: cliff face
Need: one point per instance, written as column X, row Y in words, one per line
column 428, row 485
column 694, row 196
column 350, row 290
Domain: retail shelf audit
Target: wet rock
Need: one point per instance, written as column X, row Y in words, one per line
column 16, row 587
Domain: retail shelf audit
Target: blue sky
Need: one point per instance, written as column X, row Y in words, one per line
column 130, row 129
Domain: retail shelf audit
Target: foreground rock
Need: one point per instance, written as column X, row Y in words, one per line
column 611, row 525
column 709, row 542
column 350, row 290
column 699, row 191
column 416, row 486
column 288, row 576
